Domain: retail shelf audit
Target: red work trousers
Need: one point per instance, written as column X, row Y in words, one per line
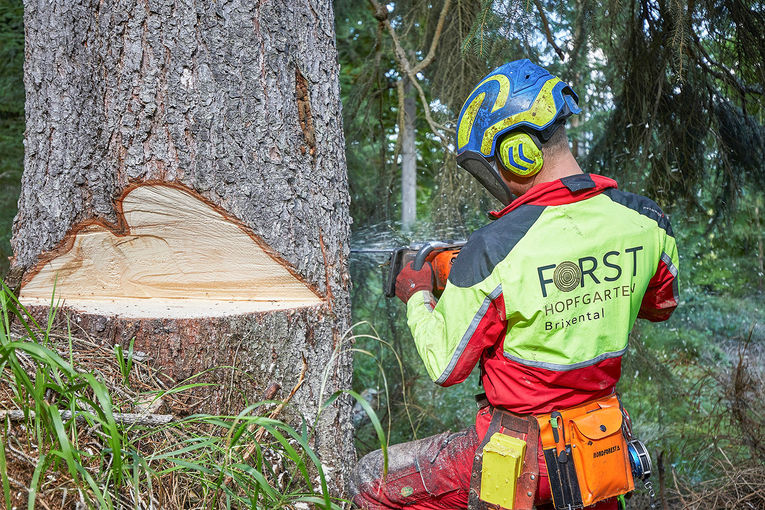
column 431, row 474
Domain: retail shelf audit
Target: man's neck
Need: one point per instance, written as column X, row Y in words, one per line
column 561, row 166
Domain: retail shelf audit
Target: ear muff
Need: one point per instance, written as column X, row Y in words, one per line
column 520, row 154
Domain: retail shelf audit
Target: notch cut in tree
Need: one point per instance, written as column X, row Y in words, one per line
column 171, row 254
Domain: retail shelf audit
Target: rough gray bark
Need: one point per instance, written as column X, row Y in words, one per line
column 236, row 100
column 408, row 159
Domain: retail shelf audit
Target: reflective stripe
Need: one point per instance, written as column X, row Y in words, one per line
column 668, row 261
column 564, row 368
column 469, row 334
column 427, row 298
column 673, row 271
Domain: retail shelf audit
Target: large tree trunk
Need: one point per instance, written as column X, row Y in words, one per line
column 185, row 185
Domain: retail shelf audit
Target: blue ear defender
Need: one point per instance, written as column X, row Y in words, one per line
column 521, row 154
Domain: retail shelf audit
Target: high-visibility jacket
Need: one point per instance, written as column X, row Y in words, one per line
column 545, row 296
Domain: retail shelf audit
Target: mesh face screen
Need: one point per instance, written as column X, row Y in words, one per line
column 486, row 174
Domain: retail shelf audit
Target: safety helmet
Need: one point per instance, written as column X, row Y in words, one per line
column 520, row 99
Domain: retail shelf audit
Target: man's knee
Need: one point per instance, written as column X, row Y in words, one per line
column 367, row 470
column 419, row 472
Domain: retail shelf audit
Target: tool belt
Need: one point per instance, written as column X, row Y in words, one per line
column 523, row 428
column 586, row 453
column 584, row 448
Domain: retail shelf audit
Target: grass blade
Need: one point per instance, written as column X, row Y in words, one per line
column 4, row 474
column 41, row 464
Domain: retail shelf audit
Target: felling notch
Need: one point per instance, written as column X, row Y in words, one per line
column 171, row 255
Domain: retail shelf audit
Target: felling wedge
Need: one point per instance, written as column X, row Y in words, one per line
column 171, row 255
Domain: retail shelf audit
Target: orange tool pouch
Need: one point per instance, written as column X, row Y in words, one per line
column 586, row 453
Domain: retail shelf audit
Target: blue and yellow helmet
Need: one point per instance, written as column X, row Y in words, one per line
column 518, row 96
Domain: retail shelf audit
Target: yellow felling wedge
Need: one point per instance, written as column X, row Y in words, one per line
column 502, row 465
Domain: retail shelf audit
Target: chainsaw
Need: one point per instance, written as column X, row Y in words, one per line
column 440, row 255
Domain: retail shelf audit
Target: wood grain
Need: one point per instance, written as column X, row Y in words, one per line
column 175, row 256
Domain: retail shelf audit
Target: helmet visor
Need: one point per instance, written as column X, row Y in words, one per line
column 487, row 174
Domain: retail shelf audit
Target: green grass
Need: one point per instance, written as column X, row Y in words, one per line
column 71, row 431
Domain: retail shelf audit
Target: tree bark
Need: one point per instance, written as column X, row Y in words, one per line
column 235, row 104
column 408, row 159
column 760, row 250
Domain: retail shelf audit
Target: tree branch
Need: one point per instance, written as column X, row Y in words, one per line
column 381, row 14
column 261, row 430
column 548, row 33
column 149, row 420
column 726, row 75
column 436, row 37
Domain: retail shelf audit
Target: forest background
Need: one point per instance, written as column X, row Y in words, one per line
column 672, row 98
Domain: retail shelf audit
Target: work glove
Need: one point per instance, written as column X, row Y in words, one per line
column 410, row 281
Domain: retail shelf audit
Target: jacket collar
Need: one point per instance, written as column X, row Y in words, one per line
column 567, row 190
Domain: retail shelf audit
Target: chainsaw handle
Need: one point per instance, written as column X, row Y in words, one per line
column 399, row 258
column 418, row 255
column 422, row 254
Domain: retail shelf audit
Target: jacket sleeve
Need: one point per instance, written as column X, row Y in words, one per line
column 452, row 334
column 661, row 297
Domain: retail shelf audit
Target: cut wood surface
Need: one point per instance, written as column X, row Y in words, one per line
column 172, row 255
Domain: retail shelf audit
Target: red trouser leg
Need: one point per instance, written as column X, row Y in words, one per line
column 431, row 474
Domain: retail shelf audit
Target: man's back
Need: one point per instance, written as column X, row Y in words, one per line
column 546, row 295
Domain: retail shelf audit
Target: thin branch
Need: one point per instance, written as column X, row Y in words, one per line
column 261, row 430
column 381, row 14
column 149, row 420
column 434, row 43
column 727, row 75
column 434, row 126
column 282, row 405
column 548, row 33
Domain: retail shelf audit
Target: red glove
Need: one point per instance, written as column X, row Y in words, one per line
column 410, row 281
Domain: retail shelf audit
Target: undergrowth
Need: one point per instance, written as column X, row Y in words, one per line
column 80, row 429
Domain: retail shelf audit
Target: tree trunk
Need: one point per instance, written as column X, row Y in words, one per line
column 408, row 159
column 185, row 185
column 760, row 250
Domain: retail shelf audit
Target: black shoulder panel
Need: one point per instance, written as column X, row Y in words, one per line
column 578, row 182
column 489, row 245
column 641, row 204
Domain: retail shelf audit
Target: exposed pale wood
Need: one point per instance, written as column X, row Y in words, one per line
column 172, row 255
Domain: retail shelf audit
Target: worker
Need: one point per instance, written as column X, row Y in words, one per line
column 543, row 298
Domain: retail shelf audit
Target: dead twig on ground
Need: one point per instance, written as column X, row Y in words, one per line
column 149, row 420
column 272, row 415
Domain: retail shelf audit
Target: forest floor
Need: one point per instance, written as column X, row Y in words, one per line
column 168, row 458
column 56, row 488
column 197, row 461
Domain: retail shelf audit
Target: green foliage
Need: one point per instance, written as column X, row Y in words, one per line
column 11, row 118
column 125, row 362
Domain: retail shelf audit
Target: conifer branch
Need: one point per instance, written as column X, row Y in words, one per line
column 548, row 33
